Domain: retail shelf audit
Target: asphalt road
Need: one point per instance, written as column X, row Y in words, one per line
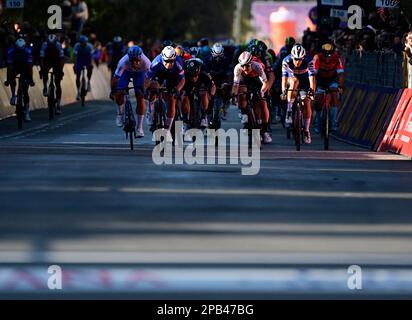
column 73, row 194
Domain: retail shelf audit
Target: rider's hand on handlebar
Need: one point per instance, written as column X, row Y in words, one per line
column 311, row 94
column 234, row 100
column 283, row 96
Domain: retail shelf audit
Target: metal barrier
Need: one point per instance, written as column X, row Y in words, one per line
column 375, row 69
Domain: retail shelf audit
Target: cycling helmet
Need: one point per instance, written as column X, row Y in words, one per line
column 83, row 39
column 134, row 52
column 327, row 50
column 52, row 38
column 169, row 53
column 20, row 43
column 179, row 51
column 262, row 46
column 290, row 41
column 253, row 42
column 254, row 50
column 204, row 42
column 245, row 58
column 298, row 52
column 117, row 39
column 194, row 51
column 169, row 43
column 193, row 67
column 218, row 51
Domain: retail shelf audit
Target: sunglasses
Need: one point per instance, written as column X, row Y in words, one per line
column 246, row 66
column 169, row 61
column 298, row 59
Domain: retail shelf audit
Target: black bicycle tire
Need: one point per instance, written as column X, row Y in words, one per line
column 326, row 138
column 19, row 106
column 298, row 128
column 51, row 102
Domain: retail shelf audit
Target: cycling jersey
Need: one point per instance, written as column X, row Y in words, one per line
column 305, row 70
column 219, row 71
column 328, row 67
column 159, row 72
column 266, row 60
column 125, row 72
column 83, row 54
column 51, row 50
column 18, row 57
column 257, row 71
column 204, row 81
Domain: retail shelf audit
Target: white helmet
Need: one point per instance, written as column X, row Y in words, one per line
column 169, row 53
column 218, row 51
column 298, row 52
column 20, row 43
column 245, row 58
column 52, row 38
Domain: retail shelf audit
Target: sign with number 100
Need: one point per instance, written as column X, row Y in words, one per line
column 387, row 3
column 15, row 4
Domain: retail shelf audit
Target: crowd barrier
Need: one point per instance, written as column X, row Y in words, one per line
column 377, row 118
column 100, row 84
column 398, row 136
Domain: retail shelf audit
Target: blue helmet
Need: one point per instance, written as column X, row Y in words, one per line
column 83, row 39
column 134, row 52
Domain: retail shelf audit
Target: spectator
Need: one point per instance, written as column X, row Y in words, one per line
column 80, row 14
column 407, row 62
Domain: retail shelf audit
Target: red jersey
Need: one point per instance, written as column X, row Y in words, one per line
column 328, row 67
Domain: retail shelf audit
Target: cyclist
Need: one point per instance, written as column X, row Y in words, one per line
column 20, row 62
column 330, row 74
column 194, row 52
column 298, row 73
column 218, row 67
column 134, row 65
column 116, row 51
column 260, row 51
column 249, row 75
column 52, row 56
column 197, row 79
column 83, row 53
column 165, row 69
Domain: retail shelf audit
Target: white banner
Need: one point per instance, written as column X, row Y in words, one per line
column 387, row 3
column 14, row 4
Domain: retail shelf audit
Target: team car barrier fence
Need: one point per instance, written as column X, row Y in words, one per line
column 100, row 84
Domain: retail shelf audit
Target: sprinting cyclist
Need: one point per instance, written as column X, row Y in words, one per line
column 83, row 53
column 166, row 70
column 330, row 74
column 201, row 80
column 249, row 75
column 52, row 57
column 298, row 73
column 133, row 66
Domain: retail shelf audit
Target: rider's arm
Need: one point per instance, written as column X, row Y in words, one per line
column 236, row 80
column 286, row 73
column 341, row 73
column 312, row 75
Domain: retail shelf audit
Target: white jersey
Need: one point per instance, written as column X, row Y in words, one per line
column 125, row 66
column 256, row 71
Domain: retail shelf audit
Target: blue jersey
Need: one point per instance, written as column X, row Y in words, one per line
column 306, row 69
column 18, row 57
column 51, row 50
column 158, row 70
column 84, row 54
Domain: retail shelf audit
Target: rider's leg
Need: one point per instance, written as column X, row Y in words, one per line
column 138, row 83
column 11, row 79
column 89, row 76
column 185, row 109
column 334, row 108
column 293, row 85
column 204, row 98
column 26, row 101
column 45, row 75
column 171, row 110
column 319, row 103
column 77, row 70
column 243, row 103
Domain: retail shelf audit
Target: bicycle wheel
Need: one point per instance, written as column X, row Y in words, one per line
column 83, row 92
column 19, row 107
column 326, row 124
column 252, row 124
column 297, row 125
column 51, row 101
column 131, row 137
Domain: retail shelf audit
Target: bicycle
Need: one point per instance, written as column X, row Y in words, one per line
column 217, row 108
column 159, row 112
column 325, row 119
column 22, row 93
column 129, row 120
column 297, row 128
column 253, row 98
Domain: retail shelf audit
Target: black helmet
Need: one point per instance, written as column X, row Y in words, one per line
column 193, row 67
column 262, row 47
column 204, row 42
column 169, row 43
column 254, row 50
